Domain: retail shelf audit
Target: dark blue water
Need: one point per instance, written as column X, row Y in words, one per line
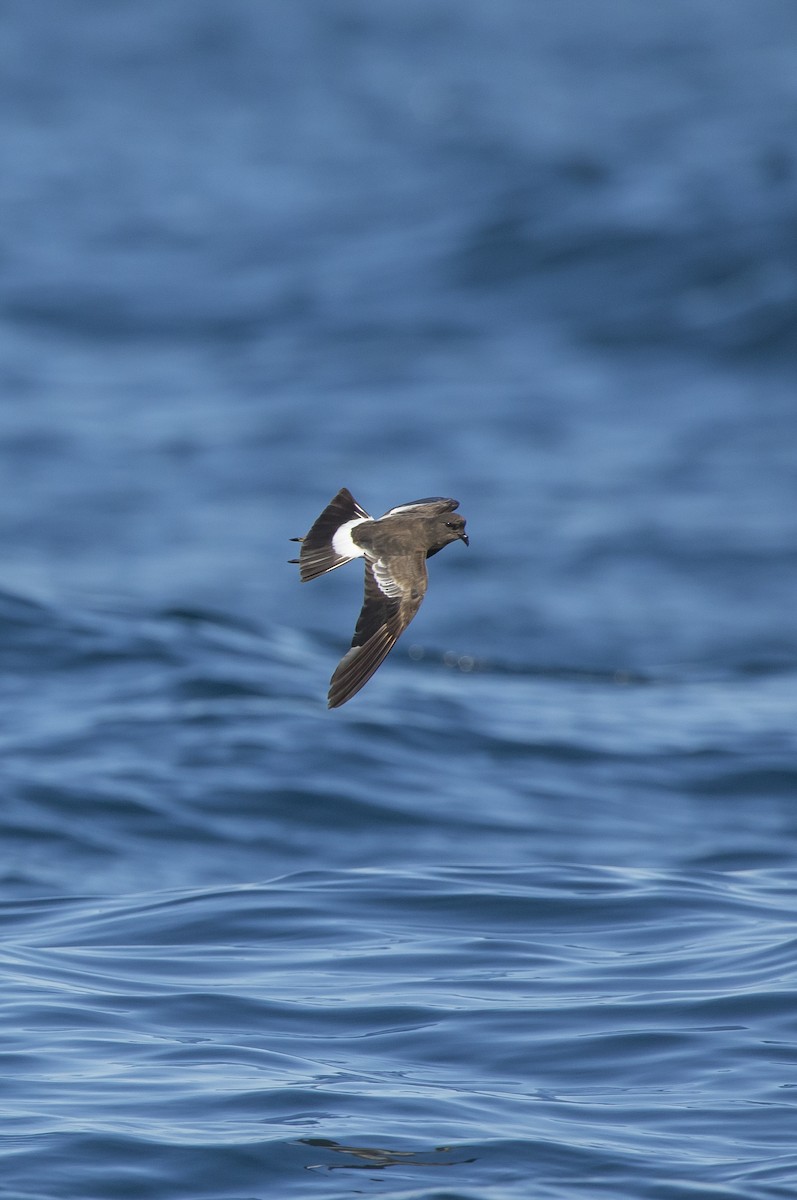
column 520, row 920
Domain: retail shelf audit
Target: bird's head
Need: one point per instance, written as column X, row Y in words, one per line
column 447, row 527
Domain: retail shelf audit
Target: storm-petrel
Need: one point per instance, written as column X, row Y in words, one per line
column 395, row 548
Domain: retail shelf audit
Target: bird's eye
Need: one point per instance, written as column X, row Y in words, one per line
column 451, row 524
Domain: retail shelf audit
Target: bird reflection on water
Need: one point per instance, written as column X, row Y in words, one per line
column 374, row 1159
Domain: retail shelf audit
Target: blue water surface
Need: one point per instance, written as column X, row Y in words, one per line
column 519, row 920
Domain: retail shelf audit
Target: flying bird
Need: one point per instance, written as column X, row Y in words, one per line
column 395, row 548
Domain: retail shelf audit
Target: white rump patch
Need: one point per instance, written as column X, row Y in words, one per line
column 342, row 542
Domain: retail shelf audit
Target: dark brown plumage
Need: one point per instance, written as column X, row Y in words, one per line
column 395, row 548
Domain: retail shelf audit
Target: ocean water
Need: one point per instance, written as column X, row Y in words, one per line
column 520, row 919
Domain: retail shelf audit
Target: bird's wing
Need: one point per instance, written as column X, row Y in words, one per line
column 393, row 595
column 430, row 504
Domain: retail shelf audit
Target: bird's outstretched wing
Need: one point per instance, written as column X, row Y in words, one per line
column 430, row 505
column 393, row 596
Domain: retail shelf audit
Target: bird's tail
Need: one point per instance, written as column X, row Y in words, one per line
column 328, row 544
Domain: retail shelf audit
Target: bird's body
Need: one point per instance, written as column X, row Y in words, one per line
column 395, row 548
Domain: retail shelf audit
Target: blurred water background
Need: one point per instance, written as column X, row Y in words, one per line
column 518, row 921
